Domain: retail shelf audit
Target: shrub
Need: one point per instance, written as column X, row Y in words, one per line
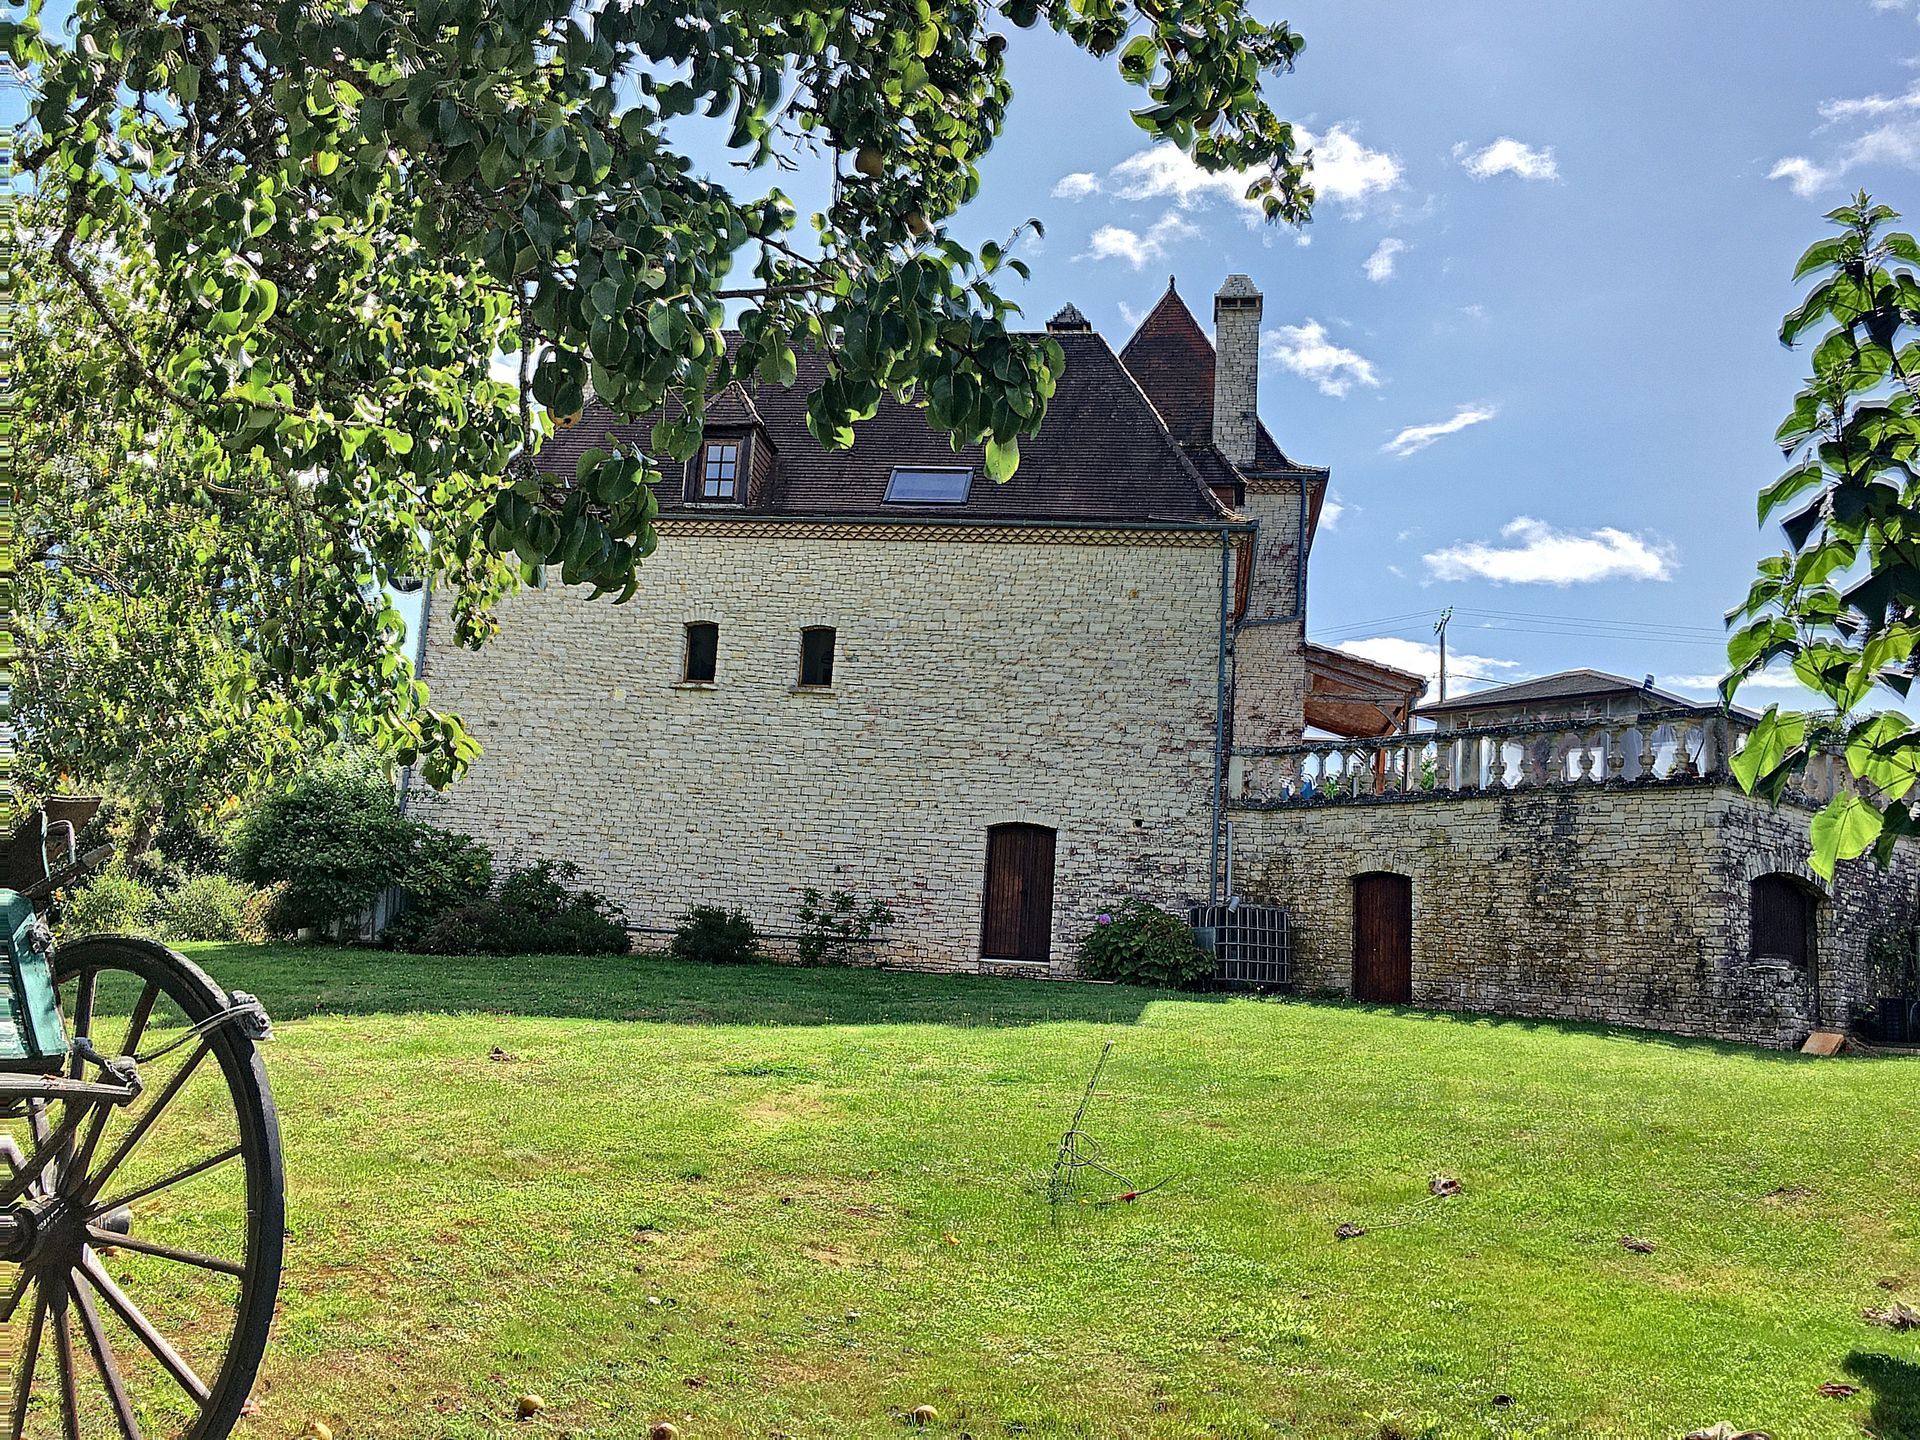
column 710, row 935
column 212, row 907
column 112, row 903
column 536, row 910
column 445, row 868
column 836, row 928
column 1143, row 945
column 335, row 839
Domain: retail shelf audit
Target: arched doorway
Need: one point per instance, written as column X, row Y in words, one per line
column 1383, row 938
column 1017, row 912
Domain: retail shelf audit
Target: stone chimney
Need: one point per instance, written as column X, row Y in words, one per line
column 1236, row 368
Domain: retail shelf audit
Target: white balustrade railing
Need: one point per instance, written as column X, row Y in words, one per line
column 1672, row 748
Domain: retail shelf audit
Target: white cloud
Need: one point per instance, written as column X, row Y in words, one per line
column 1537, row 554
column 1420, row 658
column 1891, row 137
column 1379, row 265
column 1116, row 242
column 1415, row 438
column 1077, row 186
column 1507, row 156
column 1346, row 171
column 1765, row 680
column 1309, row 352
column 1132, row 316
column 1330, row 512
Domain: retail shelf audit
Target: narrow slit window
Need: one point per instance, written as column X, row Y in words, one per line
column 703, row 652
column 918, row 486
column 816, row 657
column 720, row 470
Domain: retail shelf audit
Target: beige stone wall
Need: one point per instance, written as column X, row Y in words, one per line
column 1620, row 904
column 1069, row 684
column 1270, row 659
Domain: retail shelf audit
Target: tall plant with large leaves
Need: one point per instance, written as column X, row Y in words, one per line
column 1842, row 604
column 304, row 233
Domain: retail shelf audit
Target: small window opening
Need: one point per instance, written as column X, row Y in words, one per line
column 703, row 652
column 816, row 657
column 911, row 486
column 719, row 470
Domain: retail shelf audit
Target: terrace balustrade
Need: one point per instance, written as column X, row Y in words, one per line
column 1681, row 748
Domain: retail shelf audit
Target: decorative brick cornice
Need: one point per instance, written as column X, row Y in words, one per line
column 1170, row 536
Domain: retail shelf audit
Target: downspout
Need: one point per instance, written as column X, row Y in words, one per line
column 1220, row 718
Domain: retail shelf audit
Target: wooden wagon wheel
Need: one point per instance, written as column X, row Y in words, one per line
column 149, row 1257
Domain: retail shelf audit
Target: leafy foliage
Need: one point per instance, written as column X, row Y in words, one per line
column 713, row 935
column 282, row 245
column 1142, row 944
column 1842, row 604
column 111, row 903
column 214, row 907
column 333, row 840
column 835, row 929
column 537, row 909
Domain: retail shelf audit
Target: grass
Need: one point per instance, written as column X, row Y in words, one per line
column 765, row 1202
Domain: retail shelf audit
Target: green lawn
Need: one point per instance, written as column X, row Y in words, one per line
column 769, row 1202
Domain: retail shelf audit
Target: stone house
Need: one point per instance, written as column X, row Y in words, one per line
column 1002, row 708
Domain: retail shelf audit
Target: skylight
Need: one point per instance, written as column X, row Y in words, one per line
column 910, row 486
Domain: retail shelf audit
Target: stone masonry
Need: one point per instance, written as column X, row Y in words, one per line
column 1057, row 678
column 1623, row 904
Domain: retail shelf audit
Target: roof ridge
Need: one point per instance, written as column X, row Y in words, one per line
column 1187, row 466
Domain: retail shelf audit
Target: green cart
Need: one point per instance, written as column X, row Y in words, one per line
column 142, row 1202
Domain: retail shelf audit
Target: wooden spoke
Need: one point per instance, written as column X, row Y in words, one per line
column 142, row 1327
column 166, row 1252
column 147, row 1117
column 83, row 999
column 103, row 1360
column 29, row 1358
column 94, row 1211
column 69, row 1374
column 137, row 1021
column 13, row 1300
column 43, row 1155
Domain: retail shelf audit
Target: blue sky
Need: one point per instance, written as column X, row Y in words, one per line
column 1532, row 329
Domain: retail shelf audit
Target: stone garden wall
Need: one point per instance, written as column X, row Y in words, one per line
column 1619, row 903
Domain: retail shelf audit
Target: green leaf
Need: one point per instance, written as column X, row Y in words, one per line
column 1003, row 458
column 1775, row 743
column 1845, row 830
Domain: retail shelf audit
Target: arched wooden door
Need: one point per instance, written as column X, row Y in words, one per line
column 1383, row 939
column 1017, row 915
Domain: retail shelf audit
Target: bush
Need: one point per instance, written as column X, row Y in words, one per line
column 1143, row 945
column 213, row 907
column 112, row 903
column 334, row 839
column 444, row 869
column 536, row 910
column 710, row 935
column 835, row 929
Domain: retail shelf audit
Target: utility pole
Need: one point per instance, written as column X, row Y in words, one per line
column 1440, row 629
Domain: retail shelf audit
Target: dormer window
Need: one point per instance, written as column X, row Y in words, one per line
column 720, row 470
column 917, row 485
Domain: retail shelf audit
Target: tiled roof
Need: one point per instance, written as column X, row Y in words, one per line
column 1568, row 685
column 1172, row 358
column 1102, row 453
column 1127, row 439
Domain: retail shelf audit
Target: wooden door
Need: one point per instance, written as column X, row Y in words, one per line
column 1781, row 918
column 1017, row 921
column 1383, row 939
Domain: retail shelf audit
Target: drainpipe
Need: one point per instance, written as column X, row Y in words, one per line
column 1220, row 718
